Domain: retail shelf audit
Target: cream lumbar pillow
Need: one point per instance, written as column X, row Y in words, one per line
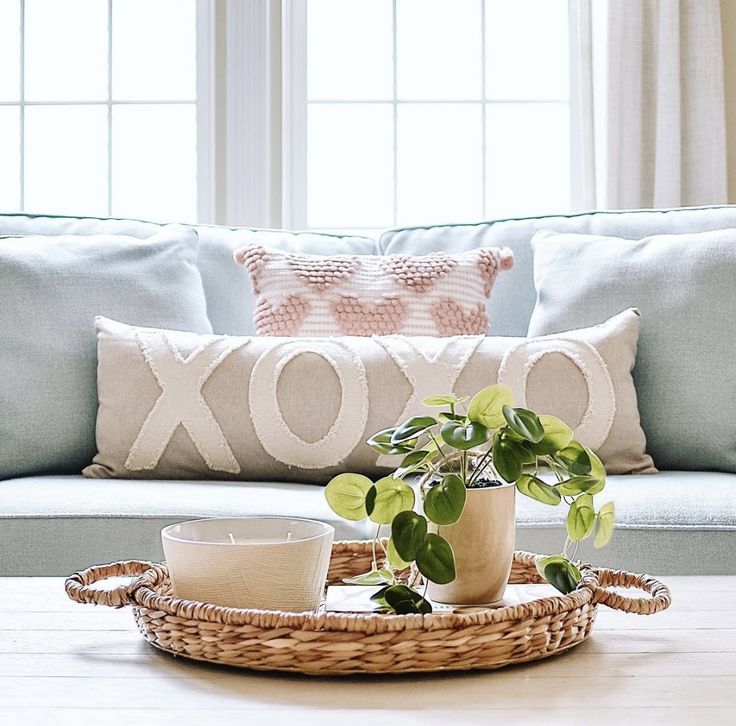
column 181, row 405
column 439, row 294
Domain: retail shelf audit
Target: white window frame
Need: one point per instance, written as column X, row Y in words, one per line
column 252, row 112
column 239, row 92
column 204, row 146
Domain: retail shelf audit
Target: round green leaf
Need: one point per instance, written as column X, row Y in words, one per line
column 412, row 462
column 575, row 459
column 404, row 601
column 393, row 557
column 507, row 461
column 597, row 470
column 408, row 531
column 580, row 518
column 525, row 423
column 346, row 495
column 534, row 487
column 412, row 428
column 392, row 496
column 436, row 560
column 579, row 485
column 605, row 520
column 374, row 577
column 445, row 416
column 486, row 406
column 381, row 442
column 437, row 401
column 444, row 502
column 559, row 572
column 557, row 435
column 524, row 452
column 464, row 437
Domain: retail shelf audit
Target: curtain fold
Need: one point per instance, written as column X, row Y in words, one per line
column 660, row 140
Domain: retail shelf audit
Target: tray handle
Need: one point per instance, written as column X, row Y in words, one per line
column 77, row 585
column 660, row 594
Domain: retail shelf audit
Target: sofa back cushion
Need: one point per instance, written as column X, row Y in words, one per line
column 511, row 305
column 686, row 366
column 51, row 290
column 230, row 302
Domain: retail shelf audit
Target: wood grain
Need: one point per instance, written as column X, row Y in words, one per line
column 62, row 663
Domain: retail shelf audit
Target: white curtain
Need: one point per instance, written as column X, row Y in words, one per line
column 647, row 103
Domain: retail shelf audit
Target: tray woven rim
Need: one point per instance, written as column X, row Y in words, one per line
column 342, row 643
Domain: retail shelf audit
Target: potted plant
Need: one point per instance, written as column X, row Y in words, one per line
column 468, row 461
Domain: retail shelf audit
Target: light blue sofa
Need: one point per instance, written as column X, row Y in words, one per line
column 672, row 522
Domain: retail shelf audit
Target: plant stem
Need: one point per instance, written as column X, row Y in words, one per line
column 436, row 443
column 480, row 467
column 553, row 467
column 568, row 542
column 373, row 546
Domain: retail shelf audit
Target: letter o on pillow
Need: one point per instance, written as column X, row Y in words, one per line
column 597, row 420
column 273, row 432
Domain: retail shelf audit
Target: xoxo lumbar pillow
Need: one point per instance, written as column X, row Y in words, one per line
column 313, row 295
column 180, row 405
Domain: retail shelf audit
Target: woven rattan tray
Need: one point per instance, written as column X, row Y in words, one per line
column 337, row 643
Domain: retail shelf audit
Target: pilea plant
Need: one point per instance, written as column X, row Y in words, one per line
column 464, row 447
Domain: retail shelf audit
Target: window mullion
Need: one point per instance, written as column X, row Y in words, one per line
column 210, row 49
column 22, row 108
column 109, row 107
column 483, row 140
column 293, row 168
column 395, row 120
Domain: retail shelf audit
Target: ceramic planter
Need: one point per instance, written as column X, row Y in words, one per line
column 483, row 543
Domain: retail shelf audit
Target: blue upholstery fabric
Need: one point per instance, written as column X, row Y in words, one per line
column 51, row 289
column 668, row 523
column 673, row 522
column 230, row 302
column 513, row 295
column 685, row 372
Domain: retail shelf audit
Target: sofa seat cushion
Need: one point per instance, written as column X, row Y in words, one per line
column 674, row 522
column 53, row 525
column 668, row 523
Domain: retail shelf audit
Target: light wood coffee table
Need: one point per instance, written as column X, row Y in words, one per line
column 63, row 663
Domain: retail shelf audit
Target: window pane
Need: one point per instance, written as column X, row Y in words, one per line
column 66, row 50
column 350, row 49
column 9, row 158
column 154, row 162
column 439, row 163
column 350, row 165
column 528, row 168
column 527, row 49
column 9, row 50
column 66, row 159
column 154, row 50
column 438, row 49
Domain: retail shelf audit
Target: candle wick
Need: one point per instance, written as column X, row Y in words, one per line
column 232, row 539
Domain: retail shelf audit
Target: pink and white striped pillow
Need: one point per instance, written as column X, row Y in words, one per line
column 312, row 295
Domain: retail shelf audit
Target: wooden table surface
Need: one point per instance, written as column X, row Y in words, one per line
column 64, row 663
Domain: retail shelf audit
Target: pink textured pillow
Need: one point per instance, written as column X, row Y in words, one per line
column 312, row 295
